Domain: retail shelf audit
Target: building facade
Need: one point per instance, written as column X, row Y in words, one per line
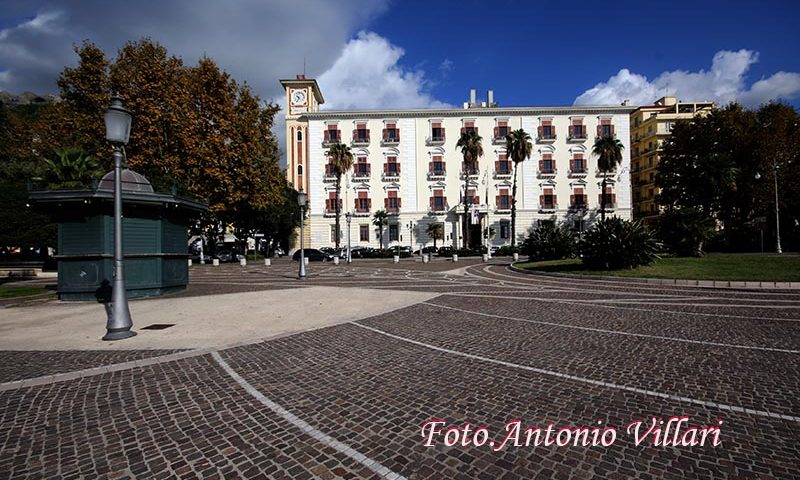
column 650, row 127
column 406, row 162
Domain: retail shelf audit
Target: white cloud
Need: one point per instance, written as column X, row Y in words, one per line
column 723, row 83
column 367, row 75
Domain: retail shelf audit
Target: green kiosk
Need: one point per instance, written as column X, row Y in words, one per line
column 155, row 234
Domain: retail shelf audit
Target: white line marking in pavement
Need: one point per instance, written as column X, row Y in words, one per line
column 651, row 393
column 602, row 305
column 614, row 332
column 305, row 427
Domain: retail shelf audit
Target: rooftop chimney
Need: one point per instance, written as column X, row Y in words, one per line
column 301, row 76
column 472, row 97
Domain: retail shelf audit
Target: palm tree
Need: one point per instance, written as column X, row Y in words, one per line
column 518, row 148
column 341, row 160
column 472, row 150
column 609, row 152
column 380, row 219
column 435, row 231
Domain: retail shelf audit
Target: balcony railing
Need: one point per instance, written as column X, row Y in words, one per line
column 390, row 136
column 546, row 137
column 389, row 173
column 439, row 209
column 472, row 173
column 577, row 172
column 543, row 173
column 437, row 174
column 331, row 138
column 548, row 207
column 361, row 137
column 577, row 134
column 432, row 140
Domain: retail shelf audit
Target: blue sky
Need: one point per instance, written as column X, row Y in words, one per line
column 550, row 52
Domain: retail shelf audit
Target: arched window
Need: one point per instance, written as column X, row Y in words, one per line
column 299, row 169
column 299, row 135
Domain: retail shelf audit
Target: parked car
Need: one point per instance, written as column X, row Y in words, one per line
column 228, row 256
column 431, row 250
column 313, row 255
column 445, row 251
column 362, row 252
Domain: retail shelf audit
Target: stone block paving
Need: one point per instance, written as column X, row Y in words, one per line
column 19, row 365
column 182, row 419
column 763, row 380
column 374, row 393
column 740, row 331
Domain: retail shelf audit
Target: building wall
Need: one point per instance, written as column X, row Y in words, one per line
column 415, row 188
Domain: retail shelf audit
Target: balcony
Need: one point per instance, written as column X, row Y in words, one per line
column 499, row 136
column 391, row 136
column 361, row 172
column 599, row 173
column 546, row 135
column 435, row 174
column 391, row 172
column 331, row 137
column 434, row 140
column 546, row 173
column 502, row 170
column 548, row 207
column 440, row 208
column 471, row 173
column 577, row 173
column 393, row 210
column 360, row 138
column 577, row 134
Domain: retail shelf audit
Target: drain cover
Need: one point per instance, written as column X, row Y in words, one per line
column 158, row 326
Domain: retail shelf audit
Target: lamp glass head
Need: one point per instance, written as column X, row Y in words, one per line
column 118, row 122
column 301, row 198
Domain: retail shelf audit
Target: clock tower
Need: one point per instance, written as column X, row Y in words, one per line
column 301, row 96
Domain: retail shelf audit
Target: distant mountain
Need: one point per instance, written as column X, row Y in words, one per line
column 26, row 98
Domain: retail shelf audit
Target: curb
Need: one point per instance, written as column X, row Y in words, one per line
column 739, row 285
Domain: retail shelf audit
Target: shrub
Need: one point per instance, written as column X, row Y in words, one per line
column 685, row 231
column 549, row 242
column 616, row 243
column 506, row 251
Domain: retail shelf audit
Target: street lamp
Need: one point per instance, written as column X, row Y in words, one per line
column 301, row 201
column 777, row 208
column 118, row 130
column 581, row 212
column 348, row 217
column 411, row 235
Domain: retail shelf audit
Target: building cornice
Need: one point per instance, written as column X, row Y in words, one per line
column 470, row 112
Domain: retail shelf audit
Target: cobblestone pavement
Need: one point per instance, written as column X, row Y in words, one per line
column 349, row 401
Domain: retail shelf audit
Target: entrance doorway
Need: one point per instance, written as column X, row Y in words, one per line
column 475, row 236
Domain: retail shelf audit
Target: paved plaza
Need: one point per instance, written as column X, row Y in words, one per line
column 265, row 376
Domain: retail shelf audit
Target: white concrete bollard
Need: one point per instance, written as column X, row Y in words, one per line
column 516, row 257
column 215, row 262
column 336, row 260
column 485, row 257
column 267, row 262
column 243, row 262
column 426, row 258
column 190, row 262
column 397, row 259
column 306, row 260
column 455, row 257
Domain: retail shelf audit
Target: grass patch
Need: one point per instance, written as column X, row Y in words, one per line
column 7, row 291
column 766, row 268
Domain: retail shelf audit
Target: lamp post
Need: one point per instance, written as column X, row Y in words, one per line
column 778, row 248
column 411, row 235
column 118, row 130
column 581, row 212
column 301, row 201
column 348, row 217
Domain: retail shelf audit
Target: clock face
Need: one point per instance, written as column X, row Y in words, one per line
column 299, row 97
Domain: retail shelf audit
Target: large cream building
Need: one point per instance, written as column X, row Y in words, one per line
column 407, row 163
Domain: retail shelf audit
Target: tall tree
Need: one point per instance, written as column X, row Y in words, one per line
column 608, row 150
column 380, row 219
column 435, row 231
column 471, row 147
column 518, row 149
column 341, row 160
